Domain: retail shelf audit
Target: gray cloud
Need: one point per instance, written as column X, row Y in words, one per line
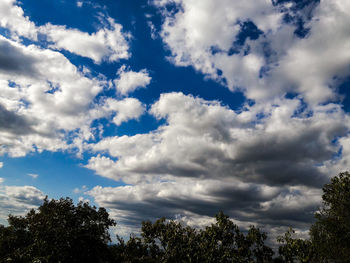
column 206, row 158
column 14, row 123
column 17, row 200
column 207, row 140
column 14, row 61
column 245, row 203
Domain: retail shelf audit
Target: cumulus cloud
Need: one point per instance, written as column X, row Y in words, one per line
column 1, row 164
column 45, row 100
column 128, row 80
column 126, row 109
column 262, row 165
column 53, row 96
column 50, row 100
column 204, row 139
column 253, row 47
column 12, row 18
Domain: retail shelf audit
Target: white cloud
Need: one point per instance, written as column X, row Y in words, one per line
column 2, row 180
column 311, row 67
column 12, row 18
column 1, row 164
column 191, row 37
column 34, row 176
column 49, row 95
column 108, row 44
column 120, row 110
column 49, row 99
column 45, row 98
column 314, row 65
column 128, row 81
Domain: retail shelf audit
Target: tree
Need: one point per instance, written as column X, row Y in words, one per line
column 169, row 241
column 330, row 234
column 295, row 249
column 224, row 242
column 58, row 231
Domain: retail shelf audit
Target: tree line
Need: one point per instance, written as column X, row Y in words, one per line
column 59, row 231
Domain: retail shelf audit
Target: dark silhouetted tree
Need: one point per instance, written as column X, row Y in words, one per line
column 169, row 241
column 330, row 234
column 58, row 231
column 295, row 249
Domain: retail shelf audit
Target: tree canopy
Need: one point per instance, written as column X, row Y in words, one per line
column 59, row 231
column 169, row 241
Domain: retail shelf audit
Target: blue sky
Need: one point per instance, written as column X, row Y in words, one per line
column 175, row 108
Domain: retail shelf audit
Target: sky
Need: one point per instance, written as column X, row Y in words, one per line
column 175, row 108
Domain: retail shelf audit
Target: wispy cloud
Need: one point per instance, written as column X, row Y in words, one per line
column 34, row 176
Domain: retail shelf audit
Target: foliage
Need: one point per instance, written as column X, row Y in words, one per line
column 331, row 232
column 169, row 241
column 295, row 249
column 58, row 232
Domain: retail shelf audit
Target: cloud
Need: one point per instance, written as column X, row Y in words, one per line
column 195, row 202
column 14, row 123
column 126, row 109
column 34, row 176
column 262, row 165
column 1, row 164
column 1, row 180
column 17, row 200
column 12, row 18
column 80, row 190
column 108, row 44
column 12, row 60
column 50, row 100
column 41, row 106
column 128, row 81
column 203, row 139
column 273, row 59
column 46, row 102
